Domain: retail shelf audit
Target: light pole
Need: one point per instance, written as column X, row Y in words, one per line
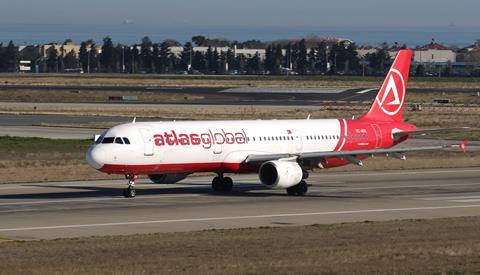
column 123, row 59
column 88, row 61
column 133, row 60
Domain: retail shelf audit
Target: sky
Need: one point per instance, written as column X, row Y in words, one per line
column 245, row 13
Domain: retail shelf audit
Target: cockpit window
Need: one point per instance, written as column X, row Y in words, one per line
column 118, row 140
column 99, row 139
column 126, row 140
column 108, row 140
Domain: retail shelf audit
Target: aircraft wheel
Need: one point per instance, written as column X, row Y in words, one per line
column 298, row 190
column 291, row 191
column 217, row 184
column 302, row 188
column 227, row 184
column 129, row 192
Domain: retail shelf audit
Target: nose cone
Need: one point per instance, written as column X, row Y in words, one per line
column 96, row 157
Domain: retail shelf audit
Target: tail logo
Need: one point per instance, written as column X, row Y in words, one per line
column 391, row 101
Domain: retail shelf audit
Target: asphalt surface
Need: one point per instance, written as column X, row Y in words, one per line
column 222, row 95
column 35, row 120
column 91, row 208
column 49, row 132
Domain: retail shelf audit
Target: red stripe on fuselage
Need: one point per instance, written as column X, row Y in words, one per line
column 146, row 169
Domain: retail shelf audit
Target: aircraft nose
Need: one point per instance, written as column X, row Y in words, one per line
column 96, row 157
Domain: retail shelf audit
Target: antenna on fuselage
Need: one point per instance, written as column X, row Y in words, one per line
column 134, row 119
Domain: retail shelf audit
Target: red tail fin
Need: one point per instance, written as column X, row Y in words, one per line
column 390, row 100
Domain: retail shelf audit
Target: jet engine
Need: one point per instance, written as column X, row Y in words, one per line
column 280, row 174
column 167, row 178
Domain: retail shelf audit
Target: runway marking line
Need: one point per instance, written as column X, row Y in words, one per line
column 365, row 91
column 241, row 217
column 396, row 186
column 97, row 199
column 407, row 173
column 449, row 198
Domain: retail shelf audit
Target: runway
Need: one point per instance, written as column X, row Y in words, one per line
column 90, row 208
column 221, row 95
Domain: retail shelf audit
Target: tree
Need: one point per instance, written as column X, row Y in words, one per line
column 199, row 62
column 253, row 64
column 288, row 57
column 278, row 57
column 83, row 56
column 93, row 58
column 269, row 58
column 70, row 60
column 186, row 56
column 379, row 59
column 172, row 63
column 230, row 59
column 322, row 57
column 52, row 60
column 134, row 56
column 172, row 43
column 302, row 63
column 156, row 57
column 84, row 53
column 11, row 57
column 3, row 61
column 352, row 62
column 222, row 63
column 164, row 58
column 146, row 54
column 215, row 62
column 212, row 59
column 240, row 63
column 312, row 59
column 120, row 58
column 107, row 57
column 199, row 40
column 420, row 70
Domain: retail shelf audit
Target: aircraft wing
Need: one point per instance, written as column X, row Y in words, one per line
column 422, row 132
column 352, row 154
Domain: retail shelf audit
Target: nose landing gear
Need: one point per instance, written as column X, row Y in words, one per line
column 130, row 192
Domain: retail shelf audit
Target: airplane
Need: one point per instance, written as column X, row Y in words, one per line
column 282, row 152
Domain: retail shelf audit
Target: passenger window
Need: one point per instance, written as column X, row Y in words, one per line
column 118, row 140
column 126, row 140
column 108, row 140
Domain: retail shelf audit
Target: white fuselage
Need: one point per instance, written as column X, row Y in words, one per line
column 206, row 145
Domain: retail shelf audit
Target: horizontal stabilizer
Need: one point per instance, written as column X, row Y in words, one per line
column 422, row 132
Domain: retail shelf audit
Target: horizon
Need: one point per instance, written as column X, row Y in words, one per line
column 27, row 34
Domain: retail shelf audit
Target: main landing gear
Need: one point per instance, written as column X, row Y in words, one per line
column 222, row 184
column 298, row 190
column 130, row 192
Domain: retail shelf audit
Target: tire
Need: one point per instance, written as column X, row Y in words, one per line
column 292, row 191
column 302, row 188
column 217, row 184
column 227, row 184
column 133, row 192
column 299, row 189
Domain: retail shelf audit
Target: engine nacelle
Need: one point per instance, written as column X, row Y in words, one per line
column 167, row 178
column 280, row 174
